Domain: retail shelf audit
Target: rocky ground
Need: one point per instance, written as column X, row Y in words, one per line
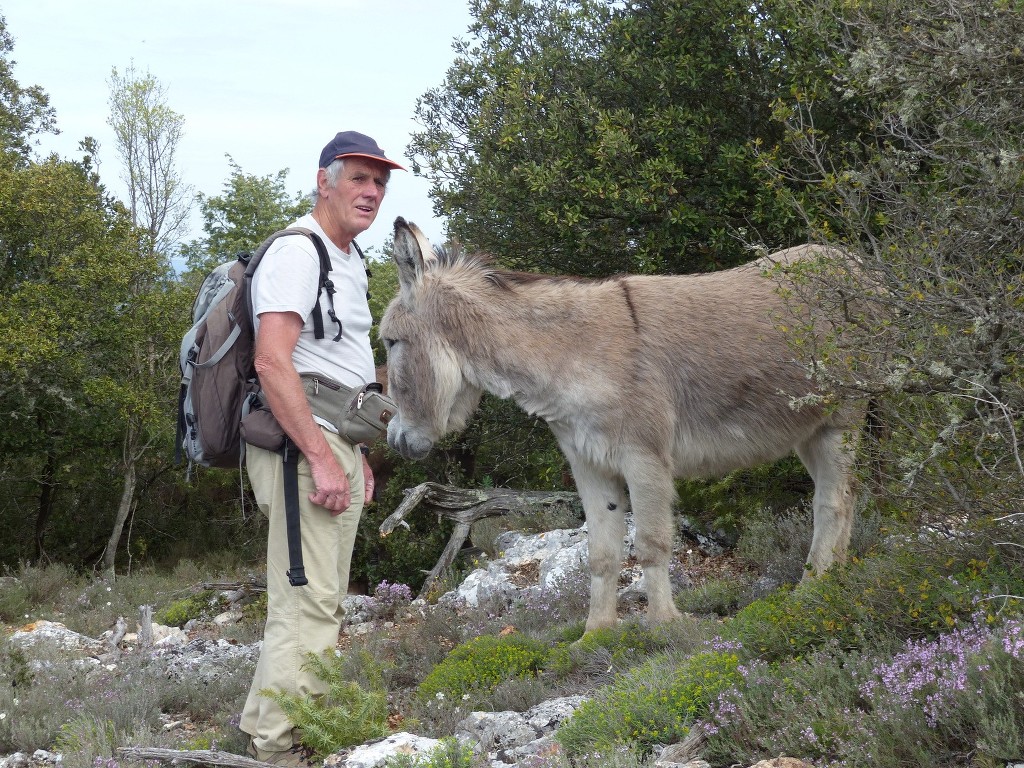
column 527, row 562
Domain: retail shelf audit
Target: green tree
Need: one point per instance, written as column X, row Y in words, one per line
column 72, row 264
column 929, row 197
column 147, row 134
column 24, row 111
column 597, row 137
column 249, row 210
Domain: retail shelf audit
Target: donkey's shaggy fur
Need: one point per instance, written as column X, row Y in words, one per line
column 641, row 379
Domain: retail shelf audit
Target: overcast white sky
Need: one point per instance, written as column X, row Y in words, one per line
column 267, row 81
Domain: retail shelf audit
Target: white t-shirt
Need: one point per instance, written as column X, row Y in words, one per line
column 286, row 281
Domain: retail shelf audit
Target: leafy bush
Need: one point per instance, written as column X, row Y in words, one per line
column 619, row 647
column 448, row 754
column 180, row 612
column 934, row 700
column 407, row 555
column 727, row 503
column 881, row 599
column 479, row 665
column 344, row 716
column 653, row 703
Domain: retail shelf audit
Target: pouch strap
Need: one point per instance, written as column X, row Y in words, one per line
column 296, row 570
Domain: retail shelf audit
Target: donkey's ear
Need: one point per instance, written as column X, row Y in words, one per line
column 413, row 253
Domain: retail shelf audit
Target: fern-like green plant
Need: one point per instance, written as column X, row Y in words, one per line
column 344, row 716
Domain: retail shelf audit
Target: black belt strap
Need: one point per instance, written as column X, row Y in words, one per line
column 296, row 571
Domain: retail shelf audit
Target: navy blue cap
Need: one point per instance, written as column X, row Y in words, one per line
column 353, row 144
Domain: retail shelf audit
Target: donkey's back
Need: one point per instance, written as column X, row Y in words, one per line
column 714, row 351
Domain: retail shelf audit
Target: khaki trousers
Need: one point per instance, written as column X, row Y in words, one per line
column 300, row 620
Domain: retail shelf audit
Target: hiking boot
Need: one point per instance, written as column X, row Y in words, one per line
column 292, row 758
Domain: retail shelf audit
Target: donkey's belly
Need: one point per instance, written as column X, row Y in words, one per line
column 723, row 451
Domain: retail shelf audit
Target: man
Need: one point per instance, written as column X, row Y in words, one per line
column 334, row 478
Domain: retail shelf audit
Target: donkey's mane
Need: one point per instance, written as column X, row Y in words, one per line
column 454, row 257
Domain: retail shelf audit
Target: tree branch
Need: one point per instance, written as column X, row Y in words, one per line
column 466, row 506
column 203, row 756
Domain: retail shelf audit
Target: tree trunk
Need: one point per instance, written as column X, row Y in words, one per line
column 123, row 510
column 47, row 491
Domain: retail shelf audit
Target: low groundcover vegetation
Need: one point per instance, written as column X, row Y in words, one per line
column 912, row 654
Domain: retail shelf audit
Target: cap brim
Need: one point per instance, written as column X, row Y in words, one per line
column 378, row 158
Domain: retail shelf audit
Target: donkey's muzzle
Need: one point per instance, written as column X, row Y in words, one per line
column 408, row 443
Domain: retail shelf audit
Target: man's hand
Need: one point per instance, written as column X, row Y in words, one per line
column 332, row 487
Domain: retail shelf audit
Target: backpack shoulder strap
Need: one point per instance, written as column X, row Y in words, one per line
column 324, row 283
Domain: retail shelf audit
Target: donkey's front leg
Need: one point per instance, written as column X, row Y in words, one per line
column 604, row 502
column 651, row 492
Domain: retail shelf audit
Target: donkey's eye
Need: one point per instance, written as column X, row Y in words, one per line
column 389, row 343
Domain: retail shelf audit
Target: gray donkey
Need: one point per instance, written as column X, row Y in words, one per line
column 641, row 380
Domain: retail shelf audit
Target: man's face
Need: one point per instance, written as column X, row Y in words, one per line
column 355, row 200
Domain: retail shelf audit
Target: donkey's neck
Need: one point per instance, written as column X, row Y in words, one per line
column 535, row 341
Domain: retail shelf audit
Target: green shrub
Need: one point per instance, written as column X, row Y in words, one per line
column 255, row 611
column 344, row 716
column 407, row 555
column 448, row 754
column 726, row 503
column 619, row 647
column 720, row 597
column 653, row 703
column 882, row 599
column 479, row 665
column 199, row 606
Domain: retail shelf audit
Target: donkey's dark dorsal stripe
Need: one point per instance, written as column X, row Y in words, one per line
column 641, row 379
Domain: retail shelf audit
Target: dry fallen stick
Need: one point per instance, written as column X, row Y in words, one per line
column 465, row 506
column 205, row 756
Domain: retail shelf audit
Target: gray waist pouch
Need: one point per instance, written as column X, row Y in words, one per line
column 360, row 414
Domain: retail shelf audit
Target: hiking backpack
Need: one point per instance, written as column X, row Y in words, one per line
column 218, row 380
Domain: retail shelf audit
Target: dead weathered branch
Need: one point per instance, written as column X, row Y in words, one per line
column 466, row 506
column 203, row 756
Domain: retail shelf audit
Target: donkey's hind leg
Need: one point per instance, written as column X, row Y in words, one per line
column 651, row 492
column 604, row 503
column 829, row 458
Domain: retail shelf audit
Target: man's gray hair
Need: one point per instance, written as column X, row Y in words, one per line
column 334, row 171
